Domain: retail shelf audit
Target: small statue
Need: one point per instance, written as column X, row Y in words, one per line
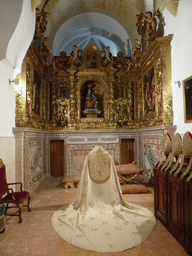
column 107, row 59
column 150, row 26
column 121, row 112
column 161, row 23
column 91, row 102
column 41, row 20
column 75, row 59
column 150, row 21
column 75, row 53
column 108, row 54
column 62, row 111
column 129, row 65
column 136, row 48
column 140, row 23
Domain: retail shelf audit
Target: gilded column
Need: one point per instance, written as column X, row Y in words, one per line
column 112, row 122
column 73, row 110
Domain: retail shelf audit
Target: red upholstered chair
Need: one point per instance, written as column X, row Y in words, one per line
column 8, row 196
column 127, row 173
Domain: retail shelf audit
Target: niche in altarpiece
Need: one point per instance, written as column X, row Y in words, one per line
column 91, row 98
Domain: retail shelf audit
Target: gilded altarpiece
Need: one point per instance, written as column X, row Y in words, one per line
column 154, row 92
column 92, row 93
column 67, row 96
column 32, row 100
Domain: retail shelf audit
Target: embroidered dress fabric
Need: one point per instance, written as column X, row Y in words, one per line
column 100, row 219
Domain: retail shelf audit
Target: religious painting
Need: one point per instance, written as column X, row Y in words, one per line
column 36, row 93
column 119, row 92
column 187, row 92
column 149, row 92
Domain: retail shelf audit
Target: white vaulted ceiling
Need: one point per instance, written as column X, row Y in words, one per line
column 91, row 28
column 96, row 22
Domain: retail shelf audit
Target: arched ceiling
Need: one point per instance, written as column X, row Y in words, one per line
column 98, row 22
column 91, row 28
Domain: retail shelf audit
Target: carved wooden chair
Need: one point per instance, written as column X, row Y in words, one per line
column 127, row 173
column 8, row 196
column 165, row 151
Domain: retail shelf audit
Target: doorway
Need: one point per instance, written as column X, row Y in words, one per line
column 56, row 158
column 127, row 151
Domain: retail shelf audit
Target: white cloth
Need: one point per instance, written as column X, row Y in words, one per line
column 100, row 219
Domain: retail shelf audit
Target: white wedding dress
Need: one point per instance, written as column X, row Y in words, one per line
column 100, row 219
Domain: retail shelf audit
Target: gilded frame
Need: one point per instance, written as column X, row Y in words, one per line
column 36, row 93
column 149, row 93
column 187, row 97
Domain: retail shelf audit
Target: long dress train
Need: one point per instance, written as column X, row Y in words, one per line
column 100, row 219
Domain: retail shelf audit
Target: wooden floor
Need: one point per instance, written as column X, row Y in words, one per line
column 36, row 236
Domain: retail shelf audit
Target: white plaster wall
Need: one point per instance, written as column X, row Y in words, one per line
column 15, row 50
column 7, row 100
column 22, row 37
column 10, row 12
column 16, row 30
column 181, row 27
column 7, row 154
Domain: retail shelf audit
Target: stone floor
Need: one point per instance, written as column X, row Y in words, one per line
column 36, row 236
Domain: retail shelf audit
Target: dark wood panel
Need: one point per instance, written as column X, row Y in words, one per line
column 127, row 151
column 176, row 214
column 161, row 182
column 160, row 199
column 175, row 207
column 57, row 157
column 188, row 216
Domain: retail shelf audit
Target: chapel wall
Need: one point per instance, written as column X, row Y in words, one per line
column 33, row 148
column 92, row 98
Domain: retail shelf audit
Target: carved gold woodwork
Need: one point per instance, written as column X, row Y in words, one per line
column 121, row 97
column 158, row 59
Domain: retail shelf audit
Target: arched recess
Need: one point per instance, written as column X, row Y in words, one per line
column 94, row 27
column 124, row 12
column 102, row 86
column 92, row 36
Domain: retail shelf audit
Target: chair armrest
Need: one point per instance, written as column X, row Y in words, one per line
column 7, row 191
column 15, row 183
